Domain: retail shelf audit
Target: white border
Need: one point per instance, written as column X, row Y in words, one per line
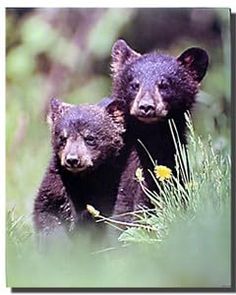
column 2, row 154
column 121, row 3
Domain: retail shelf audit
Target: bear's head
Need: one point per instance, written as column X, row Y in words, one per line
column 84, row 136
column 156, row 86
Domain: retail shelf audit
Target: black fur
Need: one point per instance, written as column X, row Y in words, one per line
column 155, row 87
column 92, row 135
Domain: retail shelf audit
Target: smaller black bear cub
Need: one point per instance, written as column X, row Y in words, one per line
column 85, row 141
column 155, row 87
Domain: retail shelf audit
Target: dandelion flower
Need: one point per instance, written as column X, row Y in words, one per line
column 139, row 174
column 92, row 211
column 162, row 172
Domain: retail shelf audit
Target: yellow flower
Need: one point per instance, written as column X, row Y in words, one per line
column 139, row 174
column 162, row 172
column 92, row 211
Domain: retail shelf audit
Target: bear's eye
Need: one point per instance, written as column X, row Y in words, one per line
column 62, row 139
column 163, row 84
column 90, row 140
column 135, row 85
column 130, row 77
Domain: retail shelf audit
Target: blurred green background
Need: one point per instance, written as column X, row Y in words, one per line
column 66, row 53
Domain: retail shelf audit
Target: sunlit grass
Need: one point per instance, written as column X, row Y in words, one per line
column 202, row 183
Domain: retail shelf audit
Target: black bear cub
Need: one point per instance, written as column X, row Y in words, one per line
column 85, row 141
column 155, row 87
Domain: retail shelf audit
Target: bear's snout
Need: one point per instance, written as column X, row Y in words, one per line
column 72, row 161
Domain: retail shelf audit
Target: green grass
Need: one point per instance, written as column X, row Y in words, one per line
column 183, row 242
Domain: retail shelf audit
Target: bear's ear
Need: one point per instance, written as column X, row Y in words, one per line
column 196, row 61
column 121, row 55
column 116, row 109
column 57, row 109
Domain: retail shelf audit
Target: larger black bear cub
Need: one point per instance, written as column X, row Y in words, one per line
column 155, row 87
column 85, row 141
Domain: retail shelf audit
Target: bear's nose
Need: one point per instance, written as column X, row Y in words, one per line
column 147, row 109
column 146, row 105
column 72, row 161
